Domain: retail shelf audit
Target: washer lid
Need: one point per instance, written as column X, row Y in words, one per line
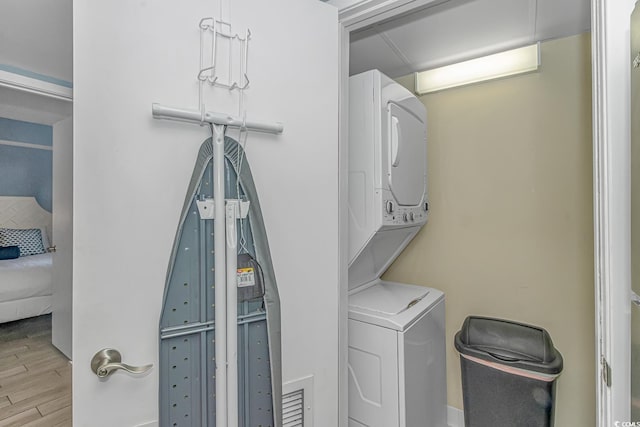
column 387, row 299
column 392, row 305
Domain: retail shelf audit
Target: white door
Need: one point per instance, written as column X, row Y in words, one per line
column 62, row 235
column 635, row 215
column 131, row 173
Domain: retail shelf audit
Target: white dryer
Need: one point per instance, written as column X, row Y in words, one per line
column 397, row 368
column 387, row 173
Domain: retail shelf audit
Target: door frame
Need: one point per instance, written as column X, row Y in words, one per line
column 611, row 198
column 611, row 185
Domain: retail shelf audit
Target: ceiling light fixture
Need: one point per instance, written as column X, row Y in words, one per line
column 503, row 64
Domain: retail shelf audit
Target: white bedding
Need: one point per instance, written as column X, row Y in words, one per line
column 25, row 282
column 25, row 277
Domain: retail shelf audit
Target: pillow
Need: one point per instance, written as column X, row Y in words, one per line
column 9, row 252
column 45, row 238
column 28, row 240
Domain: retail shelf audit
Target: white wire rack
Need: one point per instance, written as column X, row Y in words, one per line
column 212, row 63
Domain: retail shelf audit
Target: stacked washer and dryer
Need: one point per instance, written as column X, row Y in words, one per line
column 397, row 371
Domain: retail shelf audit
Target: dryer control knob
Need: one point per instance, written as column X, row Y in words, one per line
column 389, row 206
column 412, row 216
column 404, row 217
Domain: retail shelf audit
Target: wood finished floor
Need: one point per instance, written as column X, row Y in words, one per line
column 35, row 378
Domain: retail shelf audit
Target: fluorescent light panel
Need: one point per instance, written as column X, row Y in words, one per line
column 508, row 63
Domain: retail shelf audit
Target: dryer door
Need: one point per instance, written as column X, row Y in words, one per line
column 407, row 155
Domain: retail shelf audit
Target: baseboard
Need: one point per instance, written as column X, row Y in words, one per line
column 455, row 417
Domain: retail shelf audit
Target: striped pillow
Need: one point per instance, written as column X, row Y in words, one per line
column 28, row 240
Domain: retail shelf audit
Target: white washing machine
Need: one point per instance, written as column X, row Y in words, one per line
column 397, row 374
column 397, row 367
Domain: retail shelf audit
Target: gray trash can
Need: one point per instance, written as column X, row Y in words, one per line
column 509, row 373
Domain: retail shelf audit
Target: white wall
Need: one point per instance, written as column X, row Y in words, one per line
column 131, row 173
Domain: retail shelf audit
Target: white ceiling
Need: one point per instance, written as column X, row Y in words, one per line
column 457, row 30
column 36, row 35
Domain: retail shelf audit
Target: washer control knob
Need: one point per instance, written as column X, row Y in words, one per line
column 404, row 217
column 412, row 216
column 389, row 206
column 426, row 206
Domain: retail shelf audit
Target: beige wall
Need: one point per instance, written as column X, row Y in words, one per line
column 511, row 228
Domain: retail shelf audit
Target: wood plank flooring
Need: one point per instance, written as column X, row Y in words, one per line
column 35, row 378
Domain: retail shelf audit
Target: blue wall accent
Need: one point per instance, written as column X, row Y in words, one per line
column 37, row 76
column 26, row 171
column 32, row 133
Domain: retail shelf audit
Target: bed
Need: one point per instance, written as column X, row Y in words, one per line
column 25, row 282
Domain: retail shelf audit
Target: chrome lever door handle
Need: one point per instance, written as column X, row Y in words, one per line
column 635, row 298
column 108, row 360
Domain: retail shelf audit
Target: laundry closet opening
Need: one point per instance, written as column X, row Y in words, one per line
column 509, row 172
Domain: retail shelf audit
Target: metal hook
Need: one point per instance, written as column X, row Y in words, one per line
column 201, row 75
column 246, row 85
column 206, row 26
